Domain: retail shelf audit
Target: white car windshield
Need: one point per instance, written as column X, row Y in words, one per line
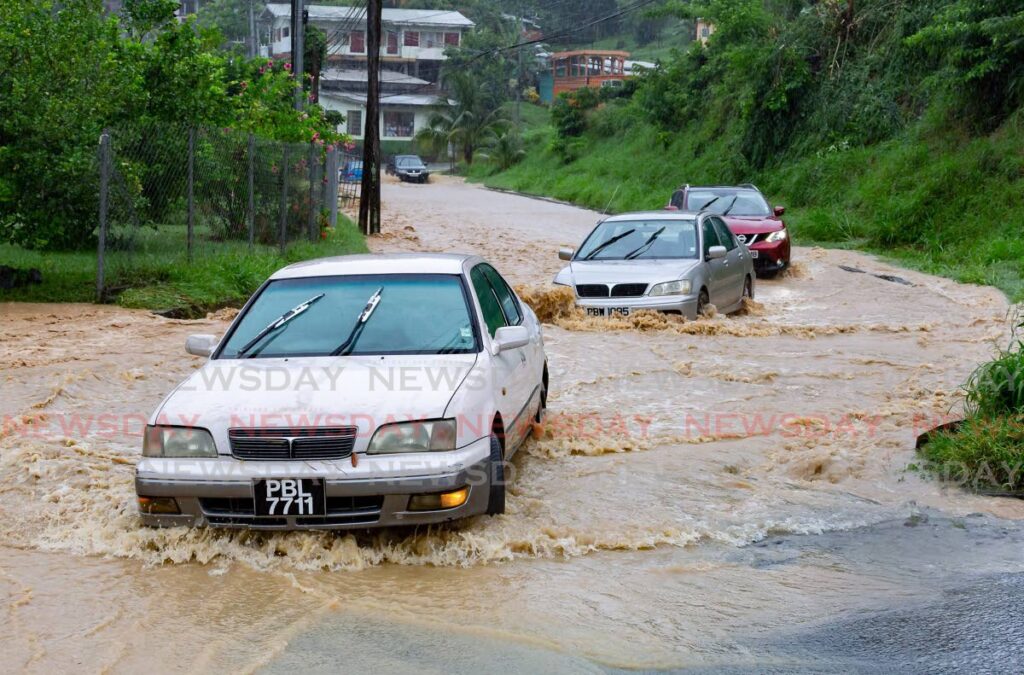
column 416, row 314
column 640, row 240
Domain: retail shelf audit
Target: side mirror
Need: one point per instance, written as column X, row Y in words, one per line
column 510, row 337
column 200, row 345
column 716, row 252
column 565, row 253
column 779, row 210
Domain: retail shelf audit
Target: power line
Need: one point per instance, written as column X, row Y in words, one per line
column 639, row 4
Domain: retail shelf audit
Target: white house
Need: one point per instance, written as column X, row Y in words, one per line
column 413, row 42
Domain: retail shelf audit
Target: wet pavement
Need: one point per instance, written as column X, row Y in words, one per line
column 733, row 494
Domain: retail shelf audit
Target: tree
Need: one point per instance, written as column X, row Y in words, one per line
column 505, row 149
column 467, row 123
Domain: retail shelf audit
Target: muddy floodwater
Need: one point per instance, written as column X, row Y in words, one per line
column 734, row 493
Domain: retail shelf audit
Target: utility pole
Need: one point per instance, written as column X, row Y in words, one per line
column 298, row 46
column 369, row 202
column 519, row 66
column 252, row 32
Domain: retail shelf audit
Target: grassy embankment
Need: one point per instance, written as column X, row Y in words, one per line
column 961, row 194
column 155, row 273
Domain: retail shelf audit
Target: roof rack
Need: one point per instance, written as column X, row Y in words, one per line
column 749, row 186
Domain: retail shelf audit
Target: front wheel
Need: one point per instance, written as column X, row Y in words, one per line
column 702, row 302
column 496, row 475
column 748, row 289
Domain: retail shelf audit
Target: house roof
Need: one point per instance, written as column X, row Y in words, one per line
column 411, row 100
column 409, row 17
column 353, row 75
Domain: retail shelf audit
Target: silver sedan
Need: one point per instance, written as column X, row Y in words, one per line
column 668, row 261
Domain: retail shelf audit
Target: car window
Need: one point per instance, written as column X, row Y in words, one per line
column 509, row 306
column 493, row 315
column 710, row 236
column 417, row 314
column 725, row 235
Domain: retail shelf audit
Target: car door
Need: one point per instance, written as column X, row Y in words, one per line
column 735, row 267
column 512, row 381
column 718, row 270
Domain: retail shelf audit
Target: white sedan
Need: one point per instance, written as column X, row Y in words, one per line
column 351, row 392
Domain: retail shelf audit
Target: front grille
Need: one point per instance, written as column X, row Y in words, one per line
column 340, row 511
column 592, row 290
column 292, row 443
column 628, row 290
column 748, row 239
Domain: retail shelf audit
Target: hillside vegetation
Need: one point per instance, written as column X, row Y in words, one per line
column 889, row 126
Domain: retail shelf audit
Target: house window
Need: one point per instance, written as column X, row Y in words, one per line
column 412, row 38
column 704, row 31
column 399, row 124
column 392, row 42
column 432, row 40
column 285, row 32
column 357, row 42
column 354, row 121
column 451, row 39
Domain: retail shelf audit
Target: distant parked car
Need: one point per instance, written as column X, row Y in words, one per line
column 748, row 215
column 408, row 168
column 352, row 172
column 675, row 262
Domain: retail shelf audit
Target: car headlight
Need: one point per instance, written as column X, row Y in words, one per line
column 178, row 442
column 419, row 436
column 780, row 235
column 682, row 287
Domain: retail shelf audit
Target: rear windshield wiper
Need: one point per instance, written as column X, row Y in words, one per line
column 650, row 240
column 275, row 325
column 361, row 320
column 608, row 243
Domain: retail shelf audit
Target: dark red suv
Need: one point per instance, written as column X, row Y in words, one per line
column 748, row 215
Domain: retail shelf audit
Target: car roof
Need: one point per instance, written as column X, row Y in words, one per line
column 652, row 215
column 379, row 263
column 737, row 188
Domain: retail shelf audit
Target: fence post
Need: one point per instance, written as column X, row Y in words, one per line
column 283, row 227
column 251, row 212
column 191, row 188
column 311, row 217
column 104, row 189
column 331, row 187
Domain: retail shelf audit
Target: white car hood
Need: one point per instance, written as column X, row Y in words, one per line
column 624, row 271
column 364, row 391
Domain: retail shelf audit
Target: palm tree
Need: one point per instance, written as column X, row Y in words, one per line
column 465, row 123
column 505, row 149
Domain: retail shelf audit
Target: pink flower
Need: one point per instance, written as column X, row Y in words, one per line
column 288, row 66
column 244, row 84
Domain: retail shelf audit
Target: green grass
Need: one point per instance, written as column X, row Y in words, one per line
column 982, row 454
column 156, row 273
column 931, row 199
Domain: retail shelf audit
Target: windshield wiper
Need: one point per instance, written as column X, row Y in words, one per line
column 731, row 204
column 608, row 243
column 635, row 253
column 276, row 324
column 357, row 329
column 709, row 203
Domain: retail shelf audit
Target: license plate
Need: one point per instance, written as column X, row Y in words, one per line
column 602, row 311
column 753, row 253
column 290, row 497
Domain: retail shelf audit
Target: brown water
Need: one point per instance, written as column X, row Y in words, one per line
column 672, row 447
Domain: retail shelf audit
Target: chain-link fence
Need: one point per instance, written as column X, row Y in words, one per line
column 184, row 193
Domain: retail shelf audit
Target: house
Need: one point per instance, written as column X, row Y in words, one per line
column 704, row 29
column 574, row 70
column 413, row 42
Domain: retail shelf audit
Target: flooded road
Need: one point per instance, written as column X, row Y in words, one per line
column 706, row 495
